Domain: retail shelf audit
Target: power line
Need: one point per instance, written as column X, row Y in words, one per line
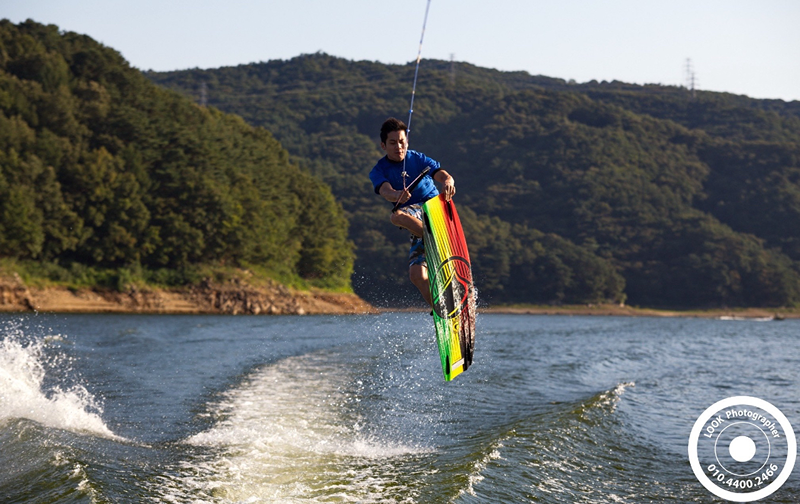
column 691, row 78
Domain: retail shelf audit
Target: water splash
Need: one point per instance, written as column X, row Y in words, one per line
column 289, row 432
column 478, row 467
column 24, row 395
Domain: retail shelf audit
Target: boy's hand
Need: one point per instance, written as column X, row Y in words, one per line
column 448, row 184
column 449, row 188
column 403, row 196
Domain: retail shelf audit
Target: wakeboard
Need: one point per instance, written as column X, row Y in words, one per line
column 450, row 280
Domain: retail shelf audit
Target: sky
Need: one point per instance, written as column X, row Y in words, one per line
column 743, row 47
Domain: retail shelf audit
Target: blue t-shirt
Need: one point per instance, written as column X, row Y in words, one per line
column 389, row 171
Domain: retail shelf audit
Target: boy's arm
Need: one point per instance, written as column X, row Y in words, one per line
column 392, row 195
column 448, row 183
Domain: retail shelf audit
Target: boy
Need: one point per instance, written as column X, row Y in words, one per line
column 390, row 181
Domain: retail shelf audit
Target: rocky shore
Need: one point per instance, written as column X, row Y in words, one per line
column 238, row 297
column 231, row 298
column 629, row 311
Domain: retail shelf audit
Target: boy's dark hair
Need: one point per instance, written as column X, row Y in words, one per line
column 390, row 125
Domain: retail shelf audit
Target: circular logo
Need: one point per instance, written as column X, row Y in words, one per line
column 742, row 449
column 454, row 279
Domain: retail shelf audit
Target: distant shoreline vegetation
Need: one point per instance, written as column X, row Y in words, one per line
column 41, row 274
column 106, row 177
column 569, row 193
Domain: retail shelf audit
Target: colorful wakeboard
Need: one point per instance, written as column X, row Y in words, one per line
column 450, row 279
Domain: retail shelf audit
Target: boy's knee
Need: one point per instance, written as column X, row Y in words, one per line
column 397, row 218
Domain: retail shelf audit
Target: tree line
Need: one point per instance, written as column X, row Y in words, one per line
column 570, row 192
column 101, row 168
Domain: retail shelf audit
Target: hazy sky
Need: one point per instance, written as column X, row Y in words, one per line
column 743, row 47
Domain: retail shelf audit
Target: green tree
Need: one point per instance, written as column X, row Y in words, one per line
column 99, row 167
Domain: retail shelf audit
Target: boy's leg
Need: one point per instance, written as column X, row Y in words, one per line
column 410, row 218
column 406, row 221
column 418, row 273
column 418, row 268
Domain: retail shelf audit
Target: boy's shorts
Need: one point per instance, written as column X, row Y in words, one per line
column 416, row 254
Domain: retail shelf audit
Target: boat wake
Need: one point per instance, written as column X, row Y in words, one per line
column 26, row 394
column 289, row 432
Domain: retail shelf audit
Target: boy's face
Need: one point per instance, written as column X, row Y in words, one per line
column 396, row 146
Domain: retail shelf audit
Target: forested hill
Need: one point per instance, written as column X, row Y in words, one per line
column 568, row 192
column 100, row 169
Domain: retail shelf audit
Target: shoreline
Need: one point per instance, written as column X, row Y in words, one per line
column 629, row 311
column 238, row 297
column 612, row 310
column 232, row 298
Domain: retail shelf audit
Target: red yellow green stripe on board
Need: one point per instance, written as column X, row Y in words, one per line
column 450, row 279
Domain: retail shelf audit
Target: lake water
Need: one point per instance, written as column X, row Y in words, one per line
column 221, row 409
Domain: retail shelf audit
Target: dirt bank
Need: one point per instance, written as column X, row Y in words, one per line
column 230, row 298
column 628, row 311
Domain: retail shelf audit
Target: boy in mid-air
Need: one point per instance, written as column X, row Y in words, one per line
column 389, row 181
